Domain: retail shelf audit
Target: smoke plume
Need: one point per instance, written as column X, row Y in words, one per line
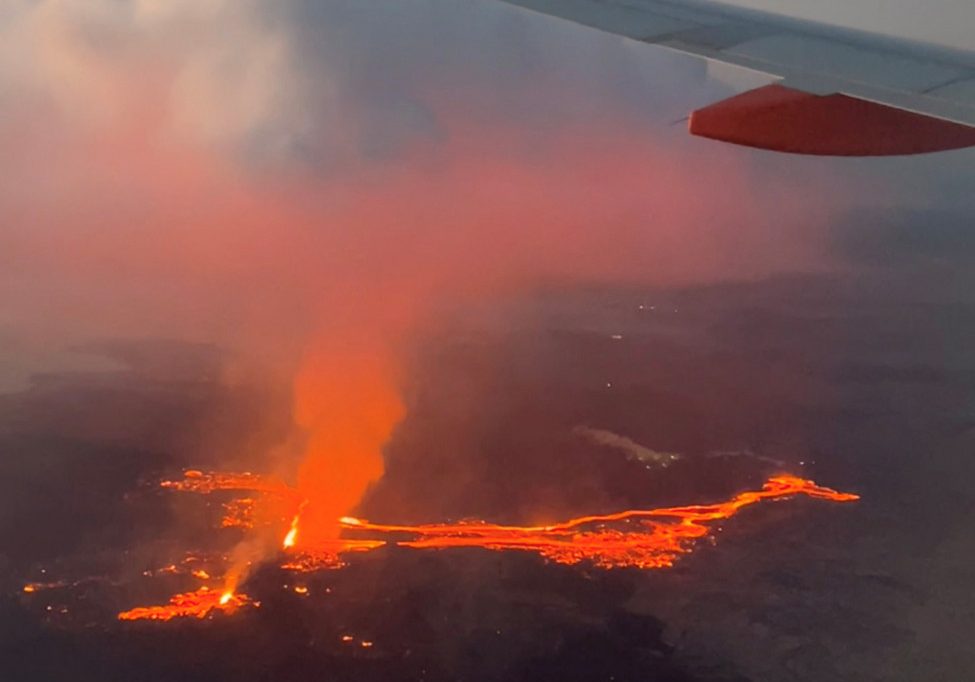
column 310, row 186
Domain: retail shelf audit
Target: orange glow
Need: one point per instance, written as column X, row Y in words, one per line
column 239, row 513
column 346, row 397
column 272, row 498
column 641, row 538
column 327, row 554
column 292, row 536
column 195, row 481
column 644, row 538
column 651, row 538
column 289, row 539
column 198, row 604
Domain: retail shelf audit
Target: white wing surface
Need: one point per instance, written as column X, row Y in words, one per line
column 884, row 95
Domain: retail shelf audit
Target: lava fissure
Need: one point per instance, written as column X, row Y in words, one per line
column 640, row 538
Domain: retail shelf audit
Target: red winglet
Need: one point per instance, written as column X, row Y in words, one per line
column 786, row 120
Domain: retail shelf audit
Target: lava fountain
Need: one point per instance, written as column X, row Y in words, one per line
column 346, row 399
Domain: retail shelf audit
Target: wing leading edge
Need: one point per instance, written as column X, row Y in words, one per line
column 839, row 92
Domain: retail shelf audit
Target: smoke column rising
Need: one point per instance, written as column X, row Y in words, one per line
column 185, row 170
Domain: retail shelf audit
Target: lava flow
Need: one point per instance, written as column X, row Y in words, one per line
column 640, row 538
column 659, row 538
column 195, row 481
column 198, row 604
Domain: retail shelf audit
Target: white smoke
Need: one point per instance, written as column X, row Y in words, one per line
column 633, row 450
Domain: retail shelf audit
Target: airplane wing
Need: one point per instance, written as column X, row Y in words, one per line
column 837, row 91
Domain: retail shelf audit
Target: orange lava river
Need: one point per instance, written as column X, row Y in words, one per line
column 640, row 538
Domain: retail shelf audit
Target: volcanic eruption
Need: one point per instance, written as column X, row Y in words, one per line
column 636, row 538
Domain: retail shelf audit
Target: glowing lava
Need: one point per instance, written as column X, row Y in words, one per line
column 641, row 538
column 292, row 536
column 327, row 554
column 651, row 538
column 198, row 604
column 270, row 497
column 195, row 481
column 239, row 513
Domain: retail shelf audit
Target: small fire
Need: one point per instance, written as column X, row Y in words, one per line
column 292, row 537
column 289, row 539
column 198, row 604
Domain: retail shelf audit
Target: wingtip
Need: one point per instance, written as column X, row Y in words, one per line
column 782, row 119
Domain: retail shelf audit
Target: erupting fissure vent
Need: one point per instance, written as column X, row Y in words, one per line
column 641, row 538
